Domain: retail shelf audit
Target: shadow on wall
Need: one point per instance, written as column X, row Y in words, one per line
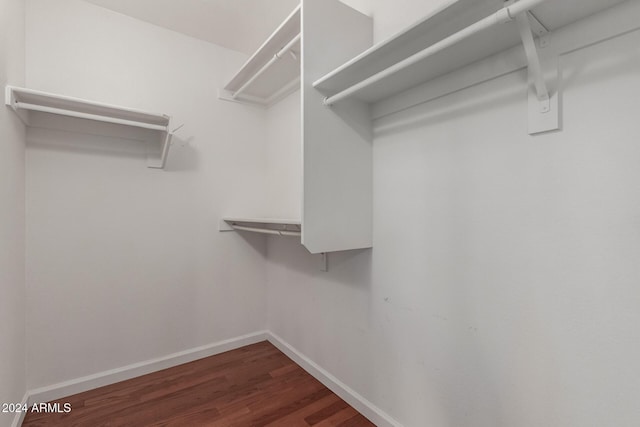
column 582, row 67
column 182, row 155
column 88, row 137
column 355, row 114
column 351, row 268
column 428, row 113
column 256, row 241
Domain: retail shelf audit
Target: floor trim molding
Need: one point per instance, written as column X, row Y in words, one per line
column 362, row 405
column 79, row 385
column 19, row 417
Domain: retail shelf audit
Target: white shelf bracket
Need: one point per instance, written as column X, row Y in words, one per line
column 10, row 101
column 544, row 111
column 157, row 158
column 324, row 261
column 533, row 58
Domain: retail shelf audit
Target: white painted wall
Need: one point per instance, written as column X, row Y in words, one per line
column 501, row 290
column 125, row 263
column 502, row 286
column 12, row 227
column 240, row 25
column 391, row 17
column 284, row 158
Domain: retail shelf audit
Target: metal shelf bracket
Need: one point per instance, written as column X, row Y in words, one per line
column 157, row 153
column 543, row 91
column 324, row 261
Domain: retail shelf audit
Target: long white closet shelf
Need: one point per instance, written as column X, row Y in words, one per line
column 24, row 101
column 272, row 226
column 273, row 71
column 375, row 63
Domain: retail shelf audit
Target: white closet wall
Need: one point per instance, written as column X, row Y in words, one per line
column 125, row 263
column 501, row 289
column 12, row 240
column 284, row 158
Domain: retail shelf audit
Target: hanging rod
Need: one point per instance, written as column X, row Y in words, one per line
column 267, row 230
column 70, row 113
column 506, row 14
column 266, row 66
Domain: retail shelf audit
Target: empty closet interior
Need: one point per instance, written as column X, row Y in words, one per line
column 431, row 207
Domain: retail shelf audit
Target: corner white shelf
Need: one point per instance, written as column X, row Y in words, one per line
column 28, row 101
column 336, row 178
column 272, row 226
column 273, row 71
column 454, row 17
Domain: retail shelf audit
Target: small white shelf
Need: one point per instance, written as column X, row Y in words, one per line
column 272, row 226
column 453, row 17
column 273, row 71
column 28, row 101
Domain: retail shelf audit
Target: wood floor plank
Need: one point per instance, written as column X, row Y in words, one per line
column 254, row 386
column 326, row 412
column 299, row 417
column 339, row 418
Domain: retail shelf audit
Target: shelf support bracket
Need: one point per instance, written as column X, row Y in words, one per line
column 544, row 114
column 157, row 153
column 324, row 262
column 10, row 101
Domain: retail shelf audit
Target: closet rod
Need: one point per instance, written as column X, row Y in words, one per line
column 266, row 230
column 70, row 113
column 506, row 14
column 266, row 66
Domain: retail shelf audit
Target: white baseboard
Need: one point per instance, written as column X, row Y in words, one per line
column 79, row 385
column 19, row 417
column 362, row 405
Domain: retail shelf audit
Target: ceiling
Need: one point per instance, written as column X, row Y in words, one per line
column 240, row 25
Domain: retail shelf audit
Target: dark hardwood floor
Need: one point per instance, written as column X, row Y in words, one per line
column 255, row 385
